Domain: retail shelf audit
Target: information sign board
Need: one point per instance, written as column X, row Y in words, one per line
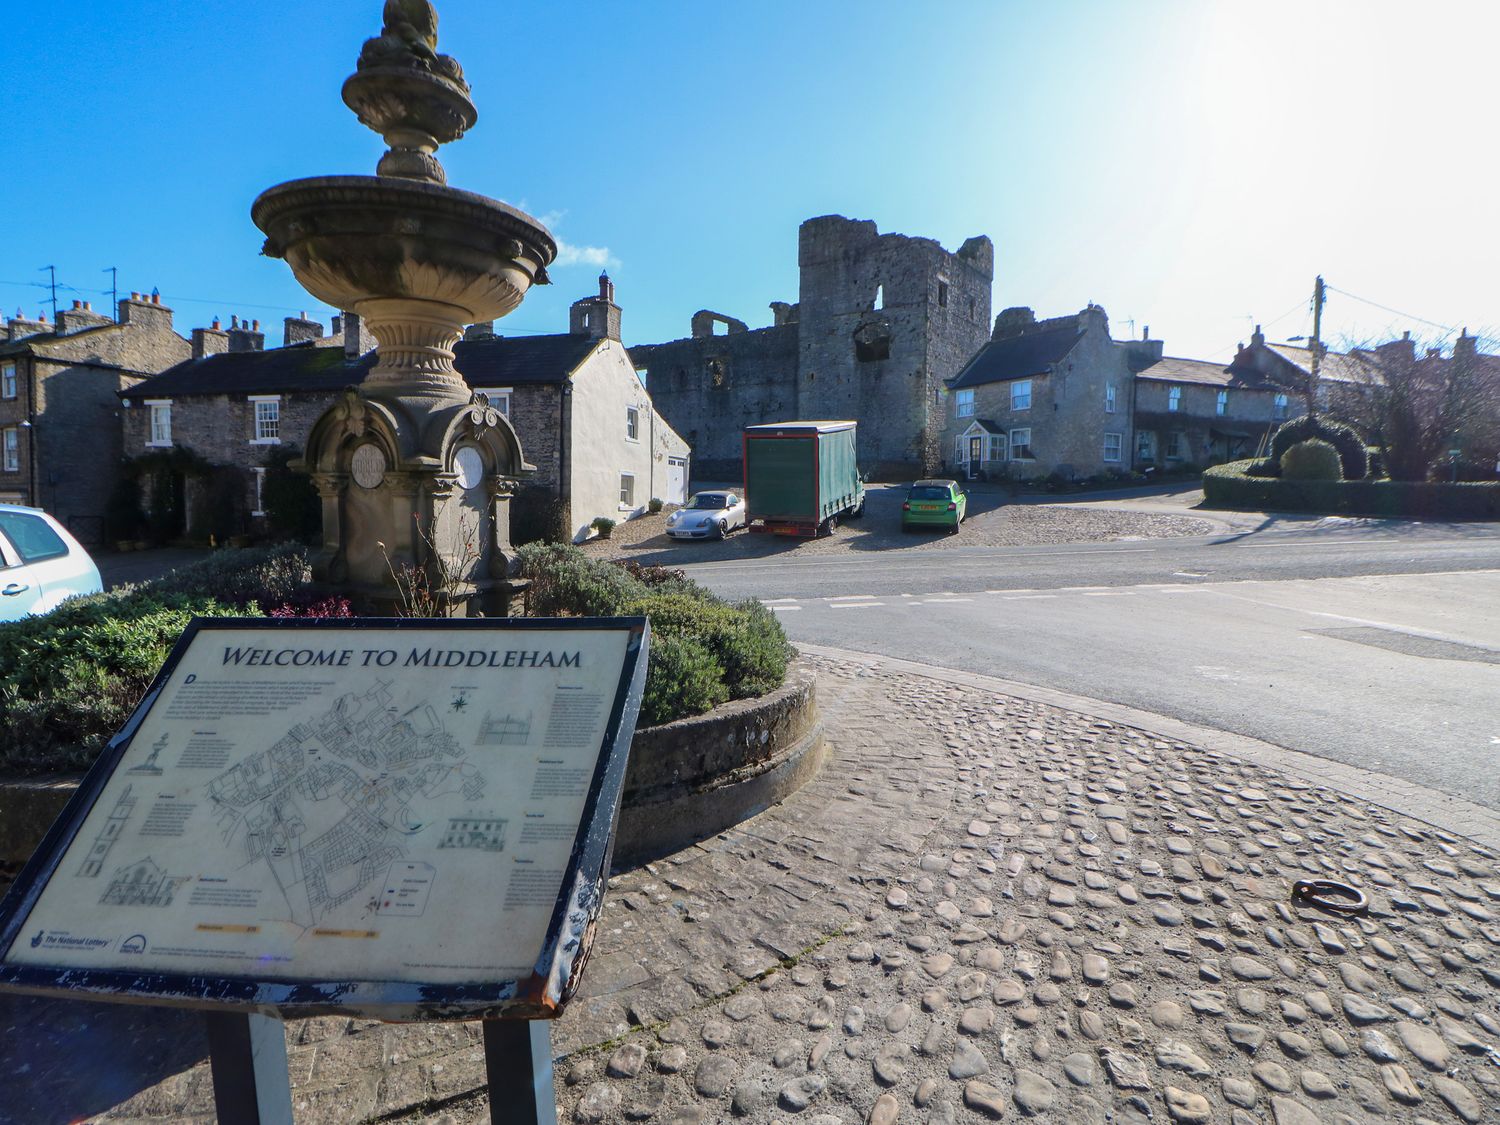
column 398, row 818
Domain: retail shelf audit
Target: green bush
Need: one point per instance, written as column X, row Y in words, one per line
column 1262, row 467
column 696, row 637
column 1345, row 438
column 655, row 506
column 682, row 678
column 1313, row 459
column 293, row 509
column 69, row 679
column 603, row 525
column 1229, row 486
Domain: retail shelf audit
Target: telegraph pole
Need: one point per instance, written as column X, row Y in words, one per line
column 114, row 290
column 1317, row 347
column 52, row 270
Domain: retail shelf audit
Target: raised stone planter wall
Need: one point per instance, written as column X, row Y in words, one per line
column 686, row 780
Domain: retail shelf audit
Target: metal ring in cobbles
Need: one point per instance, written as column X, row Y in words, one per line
column 1351, row 900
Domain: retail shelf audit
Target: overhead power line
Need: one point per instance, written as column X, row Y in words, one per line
column 1394, row 312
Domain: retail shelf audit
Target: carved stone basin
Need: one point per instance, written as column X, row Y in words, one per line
column 417, row 260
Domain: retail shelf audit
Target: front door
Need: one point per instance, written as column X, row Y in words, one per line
column 976, row 451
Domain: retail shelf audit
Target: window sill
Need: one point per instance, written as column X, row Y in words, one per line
column 265, row 441
column 633, row 440
column 158, row 445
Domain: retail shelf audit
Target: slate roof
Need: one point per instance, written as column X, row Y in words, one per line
column 1357, row 366
column 503, row 361
column 1019, row 357
column 1173, row 369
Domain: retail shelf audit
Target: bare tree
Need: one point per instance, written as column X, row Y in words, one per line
column 1417, row 409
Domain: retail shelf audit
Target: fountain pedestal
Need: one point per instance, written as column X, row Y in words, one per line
column 415, row 472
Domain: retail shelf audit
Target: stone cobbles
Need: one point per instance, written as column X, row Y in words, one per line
column 990, row 909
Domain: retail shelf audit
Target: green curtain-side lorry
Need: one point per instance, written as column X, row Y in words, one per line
column 801, row 478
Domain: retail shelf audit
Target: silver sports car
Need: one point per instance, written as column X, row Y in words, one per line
column 707, row 515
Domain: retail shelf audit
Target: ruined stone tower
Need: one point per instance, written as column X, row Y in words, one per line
column 882, row 321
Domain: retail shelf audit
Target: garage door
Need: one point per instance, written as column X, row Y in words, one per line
column 676, row 480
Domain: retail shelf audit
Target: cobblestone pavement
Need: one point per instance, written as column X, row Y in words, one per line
column 990, row 908
column 994, row 521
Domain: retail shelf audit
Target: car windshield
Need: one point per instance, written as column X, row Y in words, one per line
column 708, row 500
column 929, row 492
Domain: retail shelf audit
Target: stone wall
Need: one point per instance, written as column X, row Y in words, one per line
column 1204, row 435
column 882, row 321
column 709, row 388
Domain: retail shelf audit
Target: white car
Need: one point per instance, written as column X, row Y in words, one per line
column 707, row 515
column 41, row 565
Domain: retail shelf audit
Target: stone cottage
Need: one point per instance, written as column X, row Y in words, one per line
column 59, row 435
column 1063, row 396
column 582, row 415
column 882, row 320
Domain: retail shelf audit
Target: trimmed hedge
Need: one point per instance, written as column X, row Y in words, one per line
column 1231, row 486
column 704, row 650
column 1343, row 437
column 69, row 679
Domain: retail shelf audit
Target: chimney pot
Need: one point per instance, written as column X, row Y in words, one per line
column 255, row 326
column 88, row 306
column 78, row 304
column 216, row 324
column 134, row 296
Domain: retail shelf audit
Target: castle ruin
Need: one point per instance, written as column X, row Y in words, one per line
column 881, row 322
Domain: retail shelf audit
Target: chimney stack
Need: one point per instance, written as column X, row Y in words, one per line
column 1466, row 346
column 298, row 329
column 357, row 338
column 596, row 317
column 245, row 336
column 144, row 312
column 79, row 317
column 209, row 341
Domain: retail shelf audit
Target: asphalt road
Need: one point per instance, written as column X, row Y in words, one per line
column 1373, row 643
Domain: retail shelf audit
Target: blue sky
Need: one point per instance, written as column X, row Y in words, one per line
column 1188, row 165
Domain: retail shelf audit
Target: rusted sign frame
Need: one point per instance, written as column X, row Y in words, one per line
column 541, row 995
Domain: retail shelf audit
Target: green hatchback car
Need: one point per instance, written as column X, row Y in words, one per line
column 934, row 503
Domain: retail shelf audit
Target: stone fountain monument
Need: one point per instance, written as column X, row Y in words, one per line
column 415, row 472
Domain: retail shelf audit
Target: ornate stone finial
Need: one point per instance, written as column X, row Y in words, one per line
column 412, row 96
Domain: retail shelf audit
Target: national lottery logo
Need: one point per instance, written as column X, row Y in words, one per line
column 36, row 939
column 135, row 943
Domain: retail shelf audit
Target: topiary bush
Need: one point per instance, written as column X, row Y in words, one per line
column 1311, row 460
column 1229, row 486
column 1345, row 438
column 682, row 678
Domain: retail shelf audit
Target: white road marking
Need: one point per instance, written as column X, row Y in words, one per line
column 785, row 608
column 1109, row 594
column 945, row 601
column 849, row 598
column 1187, row 574
column 855, row 605
column 1028, row 597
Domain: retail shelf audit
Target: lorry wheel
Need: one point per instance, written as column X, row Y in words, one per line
column 858, row 512
column 833, row 524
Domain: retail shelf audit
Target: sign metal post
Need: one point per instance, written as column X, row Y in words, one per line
column 247, row 1057
column 518, row 1064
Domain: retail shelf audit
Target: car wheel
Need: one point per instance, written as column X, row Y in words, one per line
column 723, row 529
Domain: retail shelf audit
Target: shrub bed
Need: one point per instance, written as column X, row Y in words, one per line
column 704, row 650
column 1232, row 486
column 69, row 680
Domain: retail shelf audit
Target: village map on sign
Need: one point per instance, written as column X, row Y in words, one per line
column 328, row 804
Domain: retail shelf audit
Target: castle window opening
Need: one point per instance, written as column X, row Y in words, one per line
column 879, row 297
column 963, row 404
column 942, row 294
column 718, row 370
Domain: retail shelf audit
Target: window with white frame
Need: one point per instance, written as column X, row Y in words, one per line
column 1145, row 445
column 1176, row 446
column 996, row 450
column 498, row 397
column 12, row 449
column 1112, row 446
column 161, row 421
column 1109, row 398
column 1174, row 398
column 267, row 419
column 1020, row 445
column 627, row 490
column 1020, row 394
column 1221, row 403
column 959, row 445
column 963, row 404
column 8, row 379
column 632, row 424
column 260, row 493
column 1278, row 407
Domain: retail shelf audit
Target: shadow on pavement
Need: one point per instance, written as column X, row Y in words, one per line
column 65, row 1061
